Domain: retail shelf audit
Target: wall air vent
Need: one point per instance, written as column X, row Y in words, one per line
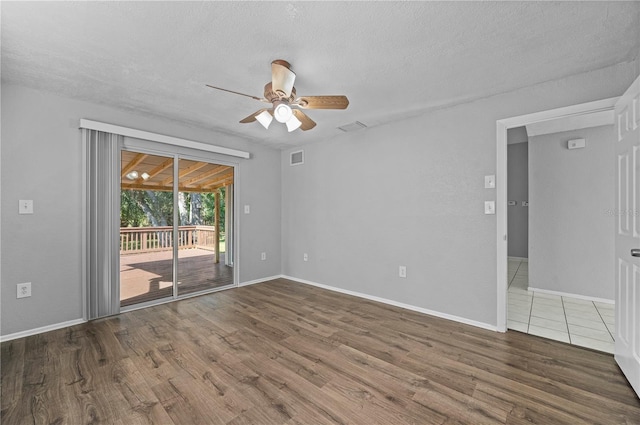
column 297, row 158
column 354, row 126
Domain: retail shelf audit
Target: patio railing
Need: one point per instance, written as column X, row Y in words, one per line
column 135, row 240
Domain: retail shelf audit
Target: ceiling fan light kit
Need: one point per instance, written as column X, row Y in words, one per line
column 293, row 123
column 282, row 112
column 281, row 93
column 264, row 118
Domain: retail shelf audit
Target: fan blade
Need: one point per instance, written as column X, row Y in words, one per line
column 282, row 77
column 307, row 123
column 252, row 117
column 322, row 102
column 241, row 94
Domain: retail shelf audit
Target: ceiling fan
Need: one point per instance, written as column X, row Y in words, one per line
column 282, row 95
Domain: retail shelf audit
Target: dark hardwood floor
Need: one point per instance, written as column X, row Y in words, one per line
column 286, row 353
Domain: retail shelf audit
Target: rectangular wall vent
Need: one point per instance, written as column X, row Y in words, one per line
column 297, row 158
column 354, row 126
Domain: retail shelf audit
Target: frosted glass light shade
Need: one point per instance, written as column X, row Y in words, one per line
column 282, row 113
column 293, row 123
column 264, row 118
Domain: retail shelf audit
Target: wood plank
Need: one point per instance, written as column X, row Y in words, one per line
column 131, row 165
column 160, row 168
column 214, row 172
column 286, row 353
column 148, row 276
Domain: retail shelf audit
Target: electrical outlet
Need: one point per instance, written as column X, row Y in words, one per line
column 25, row 206
column 23, row 290
column 263, row 256
column 402, row 271
column 305, row 257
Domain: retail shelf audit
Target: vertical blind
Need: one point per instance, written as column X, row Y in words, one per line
column 103, row 222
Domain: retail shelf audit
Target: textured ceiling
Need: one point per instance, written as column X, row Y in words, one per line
column 392, row 59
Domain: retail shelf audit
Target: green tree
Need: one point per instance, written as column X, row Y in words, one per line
column 131, row 215
column 146, row 207
column 140, row 208
column 208, row 210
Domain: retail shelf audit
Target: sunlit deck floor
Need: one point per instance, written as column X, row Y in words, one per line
column 149, row 276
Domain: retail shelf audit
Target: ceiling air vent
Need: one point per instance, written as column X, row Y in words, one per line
column 297, row 158
column 354, row 126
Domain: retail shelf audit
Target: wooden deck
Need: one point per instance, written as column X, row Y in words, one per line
column 149, row 276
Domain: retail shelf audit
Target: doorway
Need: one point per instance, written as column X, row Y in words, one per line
column 564, row 290
column 502, row 127
column 175, row 225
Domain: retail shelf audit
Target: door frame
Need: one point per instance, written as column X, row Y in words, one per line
column 502, row 126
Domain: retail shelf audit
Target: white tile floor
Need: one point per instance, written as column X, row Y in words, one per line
column 585, row 323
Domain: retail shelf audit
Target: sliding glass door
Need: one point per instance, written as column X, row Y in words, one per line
column 173, row 237
column 146, row 228
column 202, row 232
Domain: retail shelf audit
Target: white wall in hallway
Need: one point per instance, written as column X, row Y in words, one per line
column 571, row 220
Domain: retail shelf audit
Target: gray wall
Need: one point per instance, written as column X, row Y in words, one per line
column 412, row 193
column 41, row 160
column 408, row 193
column 518, row 190
column 571, row 232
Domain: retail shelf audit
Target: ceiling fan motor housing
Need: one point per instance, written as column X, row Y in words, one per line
column 273, row 96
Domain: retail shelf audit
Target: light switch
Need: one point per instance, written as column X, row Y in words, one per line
column 25, row 206
column 489, row 182
column 489, row 207
column 247, row 209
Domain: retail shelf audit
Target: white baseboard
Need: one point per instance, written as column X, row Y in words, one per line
column 566, row 294
column 482, row 325
column 396, row 304
column 262, row 279
column 40, row 330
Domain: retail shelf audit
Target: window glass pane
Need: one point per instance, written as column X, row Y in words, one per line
column 146, row 228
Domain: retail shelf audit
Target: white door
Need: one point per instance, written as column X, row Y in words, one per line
column 627, row 349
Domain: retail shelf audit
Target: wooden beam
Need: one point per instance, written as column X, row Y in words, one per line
column 185, row 172
column 160, row 168
column 216, row 215
column 145, row 186
column 133, row 164
column 218, row 185
column 220, row 169
column 191, row 169
column 219, row 178
column 158, row 187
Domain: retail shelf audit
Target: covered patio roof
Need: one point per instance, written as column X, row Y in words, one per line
column 141, row 171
